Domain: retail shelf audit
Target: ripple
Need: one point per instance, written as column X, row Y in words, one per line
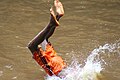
column 1, row 73
column 9, row 67
column 14, row 77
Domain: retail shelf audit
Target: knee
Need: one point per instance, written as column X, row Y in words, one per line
column 31, row 47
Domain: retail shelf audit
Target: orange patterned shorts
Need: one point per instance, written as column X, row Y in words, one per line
column 49, row 60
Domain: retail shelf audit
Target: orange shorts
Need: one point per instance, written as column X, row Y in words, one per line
column 49, row 57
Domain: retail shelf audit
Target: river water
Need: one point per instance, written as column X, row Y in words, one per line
column 86, row 25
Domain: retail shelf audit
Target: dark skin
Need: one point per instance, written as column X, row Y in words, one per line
column 46, row 33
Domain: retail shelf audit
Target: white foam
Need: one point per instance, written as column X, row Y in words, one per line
column 91, row 69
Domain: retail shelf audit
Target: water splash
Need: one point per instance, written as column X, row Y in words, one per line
column 92, row 68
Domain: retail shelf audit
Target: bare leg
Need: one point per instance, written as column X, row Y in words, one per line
column 33, row 45
column 49, row 30
column 60, row 12
column 42, row 37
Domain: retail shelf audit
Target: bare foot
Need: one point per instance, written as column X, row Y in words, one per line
column 59, row 7
column 53, row 17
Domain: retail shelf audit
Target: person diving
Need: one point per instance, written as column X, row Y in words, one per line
column 41, row 48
